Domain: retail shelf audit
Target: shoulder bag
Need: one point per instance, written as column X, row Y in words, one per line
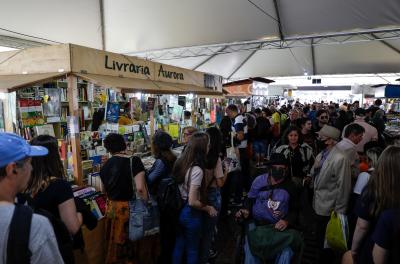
column 144, row 216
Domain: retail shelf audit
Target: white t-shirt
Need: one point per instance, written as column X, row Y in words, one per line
column 195, row 180
column 42, row 241
column 216, row 173
column 362, row 181
column 240, row 125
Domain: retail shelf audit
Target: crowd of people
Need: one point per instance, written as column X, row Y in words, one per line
column 279, row 171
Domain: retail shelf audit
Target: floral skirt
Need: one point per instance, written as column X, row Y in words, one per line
column 120, row 249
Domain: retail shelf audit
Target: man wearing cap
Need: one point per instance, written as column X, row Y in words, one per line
column 15, row 171
column 332, row 181
column 273, row 205
column 371, row 134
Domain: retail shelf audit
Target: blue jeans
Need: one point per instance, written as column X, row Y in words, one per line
column 209, row 224
column 259, row 147
column 188, row 236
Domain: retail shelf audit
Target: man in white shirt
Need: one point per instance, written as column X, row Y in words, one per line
column 15, row 172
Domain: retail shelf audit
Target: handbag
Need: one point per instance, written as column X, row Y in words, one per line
column 144, row 216
column 337, row 232
column 232, row 157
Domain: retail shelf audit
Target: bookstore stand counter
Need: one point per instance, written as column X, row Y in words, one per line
column 77, row 66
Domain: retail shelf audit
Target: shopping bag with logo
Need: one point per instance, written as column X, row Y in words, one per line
column 337, row 232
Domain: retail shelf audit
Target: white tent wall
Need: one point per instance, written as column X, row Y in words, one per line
column 72, row 21
column 305, row 17
column 225, row 63
column 274, row 62
column 367, row 57
column 160, row 24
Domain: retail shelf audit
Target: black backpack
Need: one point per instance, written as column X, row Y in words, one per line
column 169, row 197
column 262, row 128
column 63, row 237
column 18, row 238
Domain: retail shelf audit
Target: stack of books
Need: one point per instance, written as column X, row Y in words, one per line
column 95, row 200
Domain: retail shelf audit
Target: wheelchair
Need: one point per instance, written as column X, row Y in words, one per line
column 243, row 254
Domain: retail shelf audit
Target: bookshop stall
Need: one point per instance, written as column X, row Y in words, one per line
column 257, row 89
column 79, row 95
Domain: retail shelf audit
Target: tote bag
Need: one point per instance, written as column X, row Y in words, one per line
column 144, row 216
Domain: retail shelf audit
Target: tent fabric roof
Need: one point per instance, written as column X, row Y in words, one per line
column 134, row 26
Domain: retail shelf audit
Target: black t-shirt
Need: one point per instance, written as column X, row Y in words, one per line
column 387, row 234
column 57, row 192
column 362, row 210
column 262, row 129
column 117, row 178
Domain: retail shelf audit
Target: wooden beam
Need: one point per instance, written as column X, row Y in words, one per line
column 74, row 135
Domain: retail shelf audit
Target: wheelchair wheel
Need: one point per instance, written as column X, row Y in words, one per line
column 239, row 249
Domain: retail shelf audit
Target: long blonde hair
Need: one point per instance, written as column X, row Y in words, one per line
column 384, row 186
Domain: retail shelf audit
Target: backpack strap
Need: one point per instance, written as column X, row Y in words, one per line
column 18, row 238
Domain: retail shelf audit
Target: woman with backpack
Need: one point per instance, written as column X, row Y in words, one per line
column 189, row 174
column 214, row 177
column 161, row 169
column 51, row 192
column 116, row 176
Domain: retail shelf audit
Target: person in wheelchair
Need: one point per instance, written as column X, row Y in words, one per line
column 271, row 214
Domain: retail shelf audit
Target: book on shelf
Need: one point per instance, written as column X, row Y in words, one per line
column 51, row 103
column 87, row 167
column 87, row 114
column 86, row 190
column 63, row 148
column 112, row 112
column 94, row 180
column 94, row 199
column 47, row 129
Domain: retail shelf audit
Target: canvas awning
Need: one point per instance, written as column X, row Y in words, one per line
column 26, row 67
column 130, row 85
column 9, row 83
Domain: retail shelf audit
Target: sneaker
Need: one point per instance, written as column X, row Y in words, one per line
column 236, row 204
column 212, row 254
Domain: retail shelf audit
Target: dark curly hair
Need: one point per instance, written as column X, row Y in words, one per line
column 114, row 143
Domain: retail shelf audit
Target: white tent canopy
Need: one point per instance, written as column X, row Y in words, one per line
column 232, row 38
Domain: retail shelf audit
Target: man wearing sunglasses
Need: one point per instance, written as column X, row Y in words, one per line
column 322, row 120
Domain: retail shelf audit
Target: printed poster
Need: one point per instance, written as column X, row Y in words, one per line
column 31, row 112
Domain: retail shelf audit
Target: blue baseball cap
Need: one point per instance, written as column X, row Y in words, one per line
column 14, row 148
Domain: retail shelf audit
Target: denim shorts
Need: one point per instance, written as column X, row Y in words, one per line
column 259, row 147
